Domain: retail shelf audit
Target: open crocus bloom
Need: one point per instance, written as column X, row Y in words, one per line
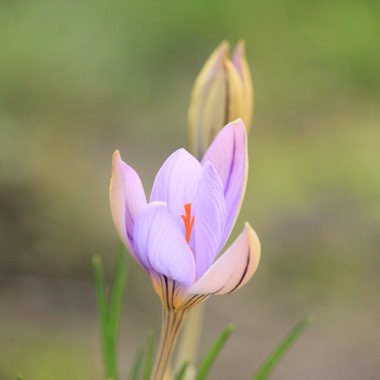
column 178, row 235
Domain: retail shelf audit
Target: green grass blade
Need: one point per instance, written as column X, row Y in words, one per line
column 181, row 372
column 101, row 300
column 273, row 359
column 136, row 367
column 113, row 313
column 148, row 365
column 117, row 292
column 100, row 291
column 209, row 359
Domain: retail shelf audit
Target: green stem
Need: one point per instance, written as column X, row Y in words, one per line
column 190, row 337
column 171, row 325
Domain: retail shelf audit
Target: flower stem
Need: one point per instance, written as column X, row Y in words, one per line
column 190, row 337
column 171, row 325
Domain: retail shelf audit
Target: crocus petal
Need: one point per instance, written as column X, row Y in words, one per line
column 239, row 60
column 233, row 269
column 177, row 181
column 209, row 209
column 161, row 246
column 206, row 112
column 235, row 100
column 228, row 154
column 127, row 198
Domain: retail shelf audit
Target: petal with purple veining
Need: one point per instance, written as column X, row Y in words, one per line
column 233, row 269
column 161, row 246
column 177, row 181
column 228, row 154
column 209, row 210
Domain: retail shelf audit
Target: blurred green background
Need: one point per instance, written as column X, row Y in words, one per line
column 80, row 79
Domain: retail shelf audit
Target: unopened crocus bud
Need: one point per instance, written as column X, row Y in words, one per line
column 222, row 93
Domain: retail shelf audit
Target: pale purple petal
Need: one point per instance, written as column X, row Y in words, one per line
column 177, row 181
column 228, row 154
column 209, row 209
column 233, row 269
column 127, row 198
column 161, row 246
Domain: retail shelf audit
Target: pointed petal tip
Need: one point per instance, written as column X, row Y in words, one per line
column 254, row 248
column 238, row 125
column 116, row 154
column 223, row 47
column 239, row 121
column 239, row 51
column 181, row 151
column 239, row 60
column 218, row 56
column 253, row 239
column 116, row 159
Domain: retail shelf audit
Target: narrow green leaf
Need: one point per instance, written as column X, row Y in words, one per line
column 209, row 359
column 113, row 313
column 117, row 292
column 101, row 300
column 273, row 359
column 148, row 365
column 100, row 292
column 20, row 377
column 135, row 370
column 181, row 372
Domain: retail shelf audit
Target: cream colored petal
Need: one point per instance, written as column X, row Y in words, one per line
column 239, row 60
column 127, row 199
column 235, row 96
column 207, row 101
column 233, row 269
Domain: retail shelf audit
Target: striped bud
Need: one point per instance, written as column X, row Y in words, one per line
column 222, row 93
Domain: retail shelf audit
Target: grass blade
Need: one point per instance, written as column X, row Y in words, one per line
column 101, row 301
column 117, row 292
column 109, row 312
column 100, row 291
column 136, row 367
column 209, row 359
column 273, row 359
column 148, row 365
column 181, row 372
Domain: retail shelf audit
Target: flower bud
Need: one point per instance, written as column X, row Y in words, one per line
column 222, row 93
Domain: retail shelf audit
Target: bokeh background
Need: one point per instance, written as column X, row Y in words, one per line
column 80, row 79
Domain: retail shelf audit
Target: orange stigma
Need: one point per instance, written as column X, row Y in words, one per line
column 188, row 220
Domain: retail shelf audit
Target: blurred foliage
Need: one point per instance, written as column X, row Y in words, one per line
column 280, row 350
column 80, row 79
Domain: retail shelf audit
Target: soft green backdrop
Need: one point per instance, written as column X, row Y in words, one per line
column 80, row 79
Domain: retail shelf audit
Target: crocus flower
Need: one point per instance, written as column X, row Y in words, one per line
column 178, row 235
column 222, row 92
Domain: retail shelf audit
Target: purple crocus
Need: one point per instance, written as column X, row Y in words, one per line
column 178, row 235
